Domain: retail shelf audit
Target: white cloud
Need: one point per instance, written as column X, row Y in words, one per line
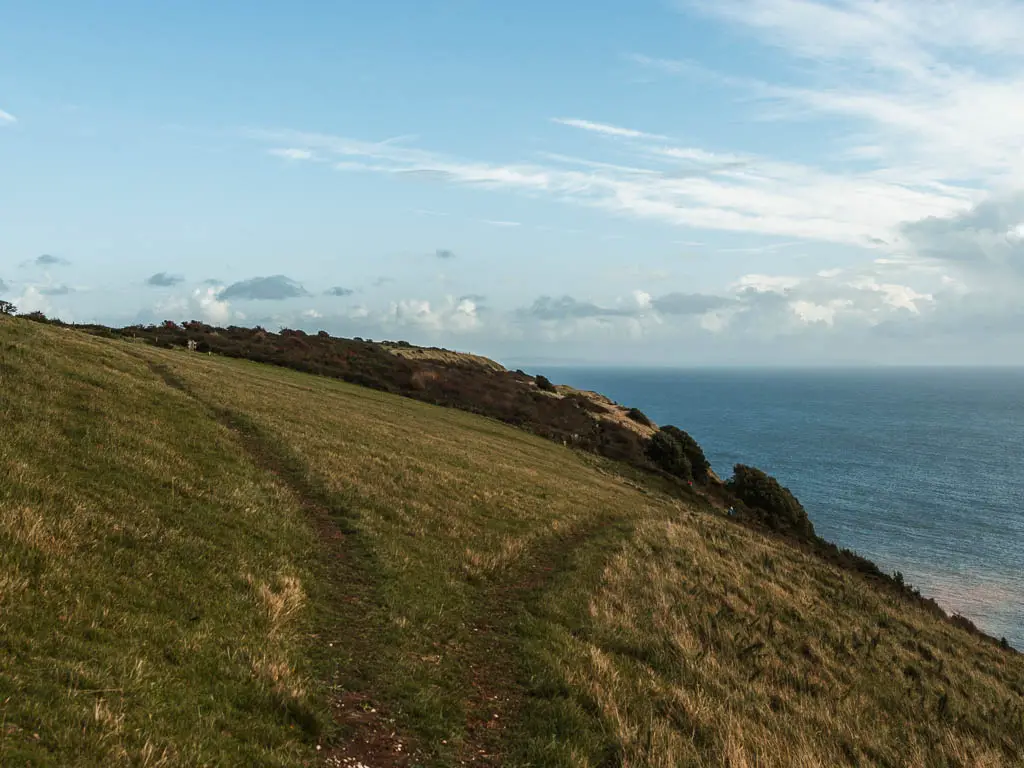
column 464, row 317
column 596, row 164
column 210, row 307
column 643, row 300
column 714, row 322
column 896, row 296
column 33, row 300
column 895, row 34
column 810, row 312
column 724, row 192
column 451, row 315
column 983, row 245
column 292, row 154
column 201, row 304
column 605, row 129
column 699, row 156
column 7, row 117
column 767, row 283
column 936, row 87
column 864, row 296
column 761, row 307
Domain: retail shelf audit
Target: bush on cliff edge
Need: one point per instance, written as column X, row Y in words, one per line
column 772, row 504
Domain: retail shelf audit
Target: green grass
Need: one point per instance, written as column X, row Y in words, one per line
column 152, row 579
column 210, row 561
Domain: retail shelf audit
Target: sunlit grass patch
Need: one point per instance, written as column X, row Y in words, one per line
column 126, row 514
column 691, row 654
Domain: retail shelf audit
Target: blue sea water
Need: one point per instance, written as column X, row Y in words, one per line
column 920, row 470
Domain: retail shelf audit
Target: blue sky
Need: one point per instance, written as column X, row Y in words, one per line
column 646, row 182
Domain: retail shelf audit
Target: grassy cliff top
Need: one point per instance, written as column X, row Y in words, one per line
column 443, row 356
column 213, row 561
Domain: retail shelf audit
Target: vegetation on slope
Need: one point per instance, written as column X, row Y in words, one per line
column 771, row 503
column 701, row 645
column 473, row 593
column 451, row 380
column 584, row 420
column 154, row 583
column 444, row 356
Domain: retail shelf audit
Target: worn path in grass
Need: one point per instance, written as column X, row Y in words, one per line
column 500, row 692
column 497, row 675
column 154, row 583
column 349, row 628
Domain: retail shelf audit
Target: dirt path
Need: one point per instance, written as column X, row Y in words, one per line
column 494, row 663
column 497, row 698
column 369, row 737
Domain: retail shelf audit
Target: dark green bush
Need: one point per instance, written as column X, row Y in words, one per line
column 671, row 441
column 773, row 505
column 667, row 454
column 544, row 384
column 701, row 466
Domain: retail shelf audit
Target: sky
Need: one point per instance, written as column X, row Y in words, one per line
column 634, row 182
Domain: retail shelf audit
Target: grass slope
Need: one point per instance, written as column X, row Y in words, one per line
column 210, row 561
column 445, row 356
column 152, row 579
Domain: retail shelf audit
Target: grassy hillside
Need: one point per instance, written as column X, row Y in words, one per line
column 439, row 377
column 213, row 561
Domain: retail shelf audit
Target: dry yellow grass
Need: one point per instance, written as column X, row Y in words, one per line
column 705, row 646
column 618, row 414
column 445, row 356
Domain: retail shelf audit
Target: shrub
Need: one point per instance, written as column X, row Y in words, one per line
column 699, row 462
column 544, row 384
column 667, row 454
column 639, row 417
column 660, row 450
column 6, row 308
column 772, row 503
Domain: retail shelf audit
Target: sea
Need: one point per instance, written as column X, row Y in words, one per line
column 920, row 470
